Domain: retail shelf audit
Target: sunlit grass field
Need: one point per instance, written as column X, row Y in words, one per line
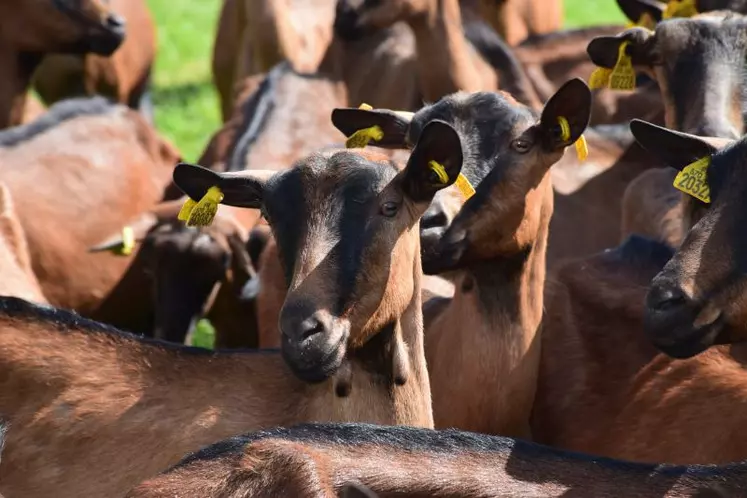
column 184, row 97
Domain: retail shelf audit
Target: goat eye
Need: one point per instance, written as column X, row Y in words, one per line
column 521, row 145
column 389, row 209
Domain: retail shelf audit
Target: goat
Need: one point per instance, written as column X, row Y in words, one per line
column 123, row 76
column 68, row 201
column 31, row 30
column 353, row 352
column 320, row 460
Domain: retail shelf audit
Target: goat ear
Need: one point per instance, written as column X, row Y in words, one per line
column 140, row 228
column 435, row 162
column 393, row 124
column 636, row 9
column 572, row 103
column 674, row 148
column 240, row 189
column 604, row 50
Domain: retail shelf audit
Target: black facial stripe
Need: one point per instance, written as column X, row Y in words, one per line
column 288, row 214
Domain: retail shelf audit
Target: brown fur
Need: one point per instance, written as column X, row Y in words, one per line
column 131, row 394
column 117, row 169
column 604, row 389
column 653, row 208
column 320, row 461
column 517, row 20
column 16, row 277
column 123, row 76
column 34, row 28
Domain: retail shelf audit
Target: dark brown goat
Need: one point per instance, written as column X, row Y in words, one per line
column 32, row 29
column 319, row 461
column 123, row 76
column 67, row 202
column 351, row 327
column 603, row 389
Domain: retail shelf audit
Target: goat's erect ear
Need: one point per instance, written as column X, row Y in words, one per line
column 240, row 189
column 435, row 162
column 636, row 9
column 674, row 148
column 571, row 104
column 393, row 125
column 604, row 50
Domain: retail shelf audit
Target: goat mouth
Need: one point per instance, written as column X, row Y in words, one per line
column 106, row 42
column 317, row 365
column 681, row 333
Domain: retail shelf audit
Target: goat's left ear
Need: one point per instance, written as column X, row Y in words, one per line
column 240, row 189
column 566, row 115
column 391, row 132
column 435, row 162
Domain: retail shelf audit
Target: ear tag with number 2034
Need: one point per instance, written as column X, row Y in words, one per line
column 693, row 180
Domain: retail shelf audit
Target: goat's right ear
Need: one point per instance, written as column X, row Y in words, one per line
column 393, row 125
column 636, row 9
column 435, row 162
column 674, row 148
column 240, row 189
column 605, row 50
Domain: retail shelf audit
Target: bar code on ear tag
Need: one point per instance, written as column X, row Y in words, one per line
column 693, row 180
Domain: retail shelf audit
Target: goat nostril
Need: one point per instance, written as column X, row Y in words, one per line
column 310, row 327
column 115, row 21
column 664, row 298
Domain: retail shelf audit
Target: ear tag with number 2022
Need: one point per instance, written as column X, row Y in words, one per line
column 693, row 180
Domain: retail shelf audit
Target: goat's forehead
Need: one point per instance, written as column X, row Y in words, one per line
column 704, row 30
column 335, row 174
column 480, row 112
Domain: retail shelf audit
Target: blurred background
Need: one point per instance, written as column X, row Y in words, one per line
column 186, row 104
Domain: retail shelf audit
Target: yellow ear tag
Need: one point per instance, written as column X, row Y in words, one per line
column 600, row 78
column 693, row 180
column 128, row 241
column 645, row 21
column 361, row 138
column 365, row 107
column 622, row 76
column 201, row 214
column 680, row 8
column 582, row 148
column 464, row 186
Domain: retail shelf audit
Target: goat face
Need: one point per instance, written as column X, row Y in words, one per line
column 698, row 299
column 346, row 227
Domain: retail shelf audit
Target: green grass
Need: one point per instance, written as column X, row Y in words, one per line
column 590, row 12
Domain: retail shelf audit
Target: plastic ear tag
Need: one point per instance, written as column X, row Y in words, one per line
column 361, row 138
column 464, row 186
column 202, row 213
column 600, row 78
column 693, row 180
column 128, row 241
column 623, row 74
column 680, row 8
column 365, row 107
column 439, row 170
column 582, row 148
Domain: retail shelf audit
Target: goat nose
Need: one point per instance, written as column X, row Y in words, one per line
column 301, row 323
column 663, row 297
column 434, row 217
column 114, row 21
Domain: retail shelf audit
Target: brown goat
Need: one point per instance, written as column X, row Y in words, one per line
column 32, row 29
column 321, row 460
column 708, row 102
column 66, row 202
column 123, row 76
column 603, row 389
column 16, row 277
column 351, row 325
column 496, row 253
column 517, row 20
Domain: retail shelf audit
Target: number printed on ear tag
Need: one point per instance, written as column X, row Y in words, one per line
column 693, row 180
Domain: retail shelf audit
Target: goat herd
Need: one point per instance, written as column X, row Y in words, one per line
column 378, row 270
